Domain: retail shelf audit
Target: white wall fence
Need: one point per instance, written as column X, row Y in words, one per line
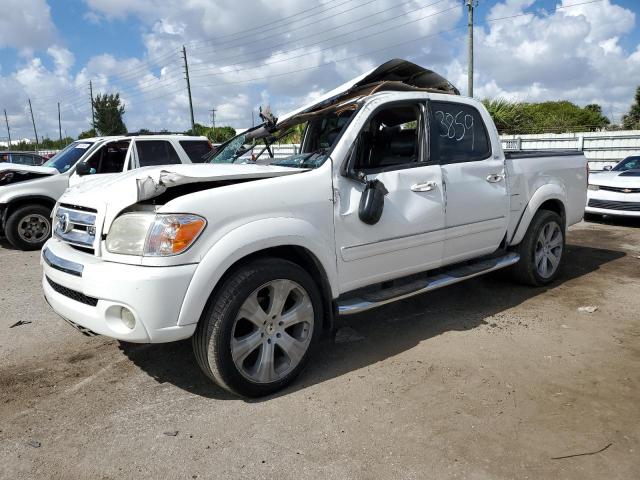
column 600, row 148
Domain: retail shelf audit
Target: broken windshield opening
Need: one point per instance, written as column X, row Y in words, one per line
column 316, row 137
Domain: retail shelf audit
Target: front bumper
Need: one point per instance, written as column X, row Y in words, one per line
column 91, row 293
column 604, row 202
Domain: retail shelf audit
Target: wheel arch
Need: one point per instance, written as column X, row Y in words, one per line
column 18, row 202
column 226, row 255
column 548, row 197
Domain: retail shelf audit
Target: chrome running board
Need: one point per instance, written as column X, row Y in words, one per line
column 455, row 274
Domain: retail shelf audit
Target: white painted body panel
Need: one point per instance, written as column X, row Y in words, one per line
column 54, row 185
column 614, row 179
column 316, row 210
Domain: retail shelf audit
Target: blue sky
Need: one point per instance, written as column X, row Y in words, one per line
column 49, row 50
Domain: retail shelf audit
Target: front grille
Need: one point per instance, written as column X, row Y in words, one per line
column 75, row 225
column 611, row 205
column 73, row 294
column 620, row 189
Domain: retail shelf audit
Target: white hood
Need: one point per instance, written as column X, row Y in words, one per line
column 627, row 178
column 13, row 167
column 115, row 193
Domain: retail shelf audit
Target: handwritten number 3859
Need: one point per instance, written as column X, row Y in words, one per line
column 456, row 126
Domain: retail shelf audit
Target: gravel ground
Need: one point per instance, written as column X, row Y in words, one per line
column 482, row 380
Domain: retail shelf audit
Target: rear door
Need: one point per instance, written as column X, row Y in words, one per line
column 476, row 200
column 152, row 152
column 198, row 151
column 392, row 149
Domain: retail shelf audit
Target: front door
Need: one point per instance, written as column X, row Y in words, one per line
column 476, row 200
column 110, row 159
column 408, row 237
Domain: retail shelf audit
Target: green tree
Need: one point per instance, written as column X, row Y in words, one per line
column 88, row 134
column 221, row 134
column 109, row 112
column 508, row 116
column 631, row 121
column 555, row 117
column 217, row 135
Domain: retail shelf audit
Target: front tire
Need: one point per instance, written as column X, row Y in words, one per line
column 541, row 250
column 29, row 227
column 259, row 327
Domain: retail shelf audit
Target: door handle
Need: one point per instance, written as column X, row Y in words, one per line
column 494, row 178
column 424, row 187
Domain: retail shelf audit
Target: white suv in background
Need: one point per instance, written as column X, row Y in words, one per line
column 29, row 193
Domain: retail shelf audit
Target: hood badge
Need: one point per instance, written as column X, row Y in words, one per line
column 64, row 224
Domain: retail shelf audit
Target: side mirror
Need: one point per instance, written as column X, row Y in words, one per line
column 372, row 202
column 84, row 169
column 607, row 168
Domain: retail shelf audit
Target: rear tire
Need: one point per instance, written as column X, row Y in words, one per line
column 28, row 227
column 541, row 250
column 259, row 328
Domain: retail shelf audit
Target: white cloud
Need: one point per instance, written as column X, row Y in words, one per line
column 572, row 53
column 26, row 24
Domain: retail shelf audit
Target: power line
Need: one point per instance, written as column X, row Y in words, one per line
column 146, row 92
column 203, row 75
column 305, row 54
column 272, row 47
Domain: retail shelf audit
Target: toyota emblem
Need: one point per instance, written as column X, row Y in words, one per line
column 64, row 225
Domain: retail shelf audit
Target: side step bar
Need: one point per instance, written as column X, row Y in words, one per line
column 369, row 300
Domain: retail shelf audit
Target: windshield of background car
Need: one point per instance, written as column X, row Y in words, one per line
column 67, row 158
column 631, row 163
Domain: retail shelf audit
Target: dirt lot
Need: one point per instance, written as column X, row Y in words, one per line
column 483, row 380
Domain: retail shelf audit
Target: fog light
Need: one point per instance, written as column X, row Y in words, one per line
column 128, row 320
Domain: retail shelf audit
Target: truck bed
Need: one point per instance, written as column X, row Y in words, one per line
column 515, row 154
column 565, row 171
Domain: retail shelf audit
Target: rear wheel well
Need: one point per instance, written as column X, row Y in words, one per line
column 301, row 257
column 556, row 206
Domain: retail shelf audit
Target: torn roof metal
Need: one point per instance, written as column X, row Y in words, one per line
column 396, row 74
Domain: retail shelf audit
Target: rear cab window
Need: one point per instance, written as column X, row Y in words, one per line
column 458, row 133
column 156, row 152
column 198, row 151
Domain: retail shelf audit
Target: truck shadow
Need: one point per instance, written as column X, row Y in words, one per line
column 387, row 331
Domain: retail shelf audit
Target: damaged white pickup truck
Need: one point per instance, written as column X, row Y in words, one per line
column 401, row 187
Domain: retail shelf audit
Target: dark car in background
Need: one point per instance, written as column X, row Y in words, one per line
column 22, row 158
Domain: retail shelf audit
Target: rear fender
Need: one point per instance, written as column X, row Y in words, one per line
column 550, row 191
column 244, row 241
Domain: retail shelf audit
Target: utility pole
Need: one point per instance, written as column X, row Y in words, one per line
column 34, row 124
column 59, row 123
column 253, row 122
column 470, row 6
column 186, row 72
column 93, row 112
column 6, row 119
column 213, row 118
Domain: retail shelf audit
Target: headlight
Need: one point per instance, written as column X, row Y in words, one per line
column 146, row 234
column 593, row 187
